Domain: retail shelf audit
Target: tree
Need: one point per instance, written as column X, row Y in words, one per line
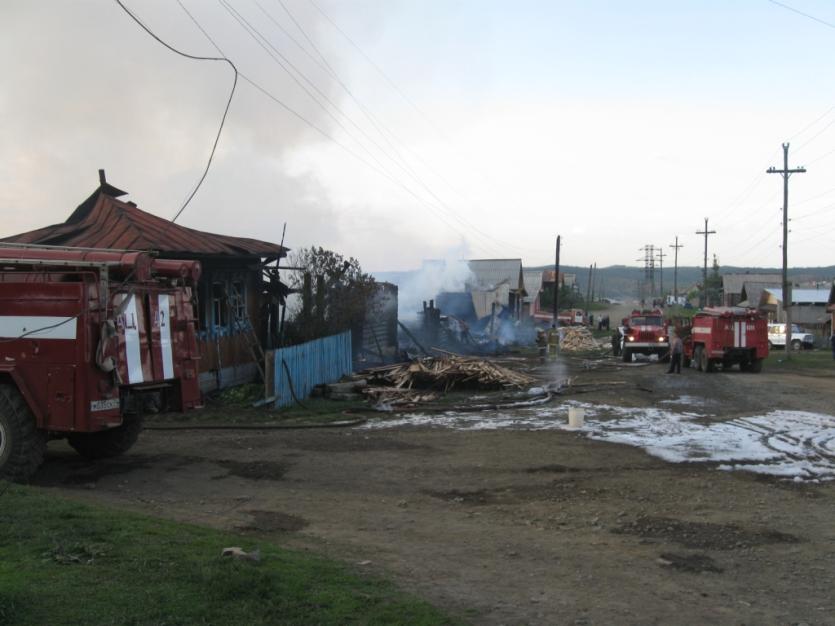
column 335, row 295
column 713, row 286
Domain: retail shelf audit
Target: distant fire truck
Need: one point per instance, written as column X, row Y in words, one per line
column 89, row 339
column 645, row 332
column 726, row 336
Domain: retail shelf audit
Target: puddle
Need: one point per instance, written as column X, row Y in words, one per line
column 795, row 445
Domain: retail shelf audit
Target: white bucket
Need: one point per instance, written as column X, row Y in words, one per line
column 576, row 417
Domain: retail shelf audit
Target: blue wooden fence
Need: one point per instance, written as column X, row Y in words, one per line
column 320, row 361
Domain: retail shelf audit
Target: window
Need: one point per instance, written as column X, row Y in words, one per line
column 220, row 316
column 237, row 300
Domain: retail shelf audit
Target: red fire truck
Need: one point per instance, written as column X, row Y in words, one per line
column 726, row 336
column 645, row 332
column 90, row 339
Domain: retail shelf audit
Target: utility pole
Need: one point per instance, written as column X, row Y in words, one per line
column 787, row 298
column 594, row 281
column 557, row 283
column 661, row 255
column 705, row 232
column 675, row 271
column 649, row 269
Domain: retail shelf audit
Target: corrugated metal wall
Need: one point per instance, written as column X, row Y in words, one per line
column 313, row 363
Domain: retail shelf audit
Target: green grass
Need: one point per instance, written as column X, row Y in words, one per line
column 800, row 360
column 62, row 562
column 234, row 406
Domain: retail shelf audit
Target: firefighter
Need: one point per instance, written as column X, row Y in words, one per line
column 676, row 350
column 616, row 342
column 553, row 342
column 542, row 344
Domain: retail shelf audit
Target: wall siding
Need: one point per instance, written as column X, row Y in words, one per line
column 313, row 363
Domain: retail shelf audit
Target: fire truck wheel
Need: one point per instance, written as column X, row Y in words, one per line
column 707, row 365
column 107, row 443
column 22, row 445
column 756, row 366
column 627, row 355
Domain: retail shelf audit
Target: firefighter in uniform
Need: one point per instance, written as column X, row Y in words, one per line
column 553, row 342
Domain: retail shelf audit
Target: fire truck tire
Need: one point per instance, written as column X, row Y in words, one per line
column 627, row 355
column 107, row 443
column 707, row 365
column 697, row 357
column 22, row 445
column 756, row 366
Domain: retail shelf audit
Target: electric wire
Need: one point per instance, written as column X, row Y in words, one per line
column 225, row 111
column 380, row 127
column 252, row 31
column 322, row 132
column 799, row 12
column 401, row 164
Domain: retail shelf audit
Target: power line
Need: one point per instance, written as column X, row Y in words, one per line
column 258, row 37
column 325, row 134
column 225, row 111
column 799, row 12
column 380, row 127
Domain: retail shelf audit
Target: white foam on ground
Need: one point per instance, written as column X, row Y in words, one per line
column 789, row 444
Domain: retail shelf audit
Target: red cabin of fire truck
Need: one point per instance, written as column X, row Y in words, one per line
column 726, row 336
column 645, row 332
column 89, row 339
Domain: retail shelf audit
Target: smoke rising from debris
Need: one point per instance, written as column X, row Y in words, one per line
column 434, row 277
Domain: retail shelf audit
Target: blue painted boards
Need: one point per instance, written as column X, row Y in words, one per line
column 313, row 363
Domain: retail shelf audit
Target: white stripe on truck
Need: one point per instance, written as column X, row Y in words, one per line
column 165, row 336
column 132, row 350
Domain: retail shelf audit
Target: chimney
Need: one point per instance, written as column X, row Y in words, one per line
column 102, row 179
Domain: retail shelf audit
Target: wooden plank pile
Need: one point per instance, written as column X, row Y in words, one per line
column 448, row 372
column 577, row 339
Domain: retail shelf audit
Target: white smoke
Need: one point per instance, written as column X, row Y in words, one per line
column 435, row 276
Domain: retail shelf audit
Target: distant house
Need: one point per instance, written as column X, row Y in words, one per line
column 533, row 285
column 830, row 307
column 732, row 285
column 496, row 281
column 809, row 308
column 238, row 293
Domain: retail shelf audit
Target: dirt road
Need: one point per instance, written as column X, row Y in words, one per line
column 502, row 523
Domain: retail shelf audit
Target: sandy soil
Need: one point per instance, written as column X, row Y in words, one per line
column 515, row 526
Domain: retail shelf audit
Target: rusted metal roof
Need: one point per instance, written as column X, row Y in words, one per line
column 103, row 221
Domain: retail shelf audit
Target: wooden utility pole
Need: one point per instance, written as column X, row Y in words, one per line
column 661, row 255
column 705, row 232
column 594, row 280
column 787, row 298
column 675, row 271
column 557, row 284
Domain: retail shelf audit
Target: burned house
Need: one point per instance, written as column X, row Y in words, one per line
column 238, row 292
column 496, row 283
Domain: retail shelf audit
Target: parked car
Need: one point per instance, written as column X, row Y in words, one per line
column 799, row 339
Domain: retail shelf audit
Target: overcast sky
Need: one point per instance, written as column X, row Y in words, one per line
column 440, row 129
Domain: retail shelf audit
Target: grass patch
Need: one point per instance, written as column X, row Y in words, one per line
column 234, row 406
column 801, row 360
column 62, row 562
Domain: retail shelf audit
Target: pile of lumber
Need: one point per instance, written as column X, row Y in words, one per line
column 448, row 372
column 577, row 339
